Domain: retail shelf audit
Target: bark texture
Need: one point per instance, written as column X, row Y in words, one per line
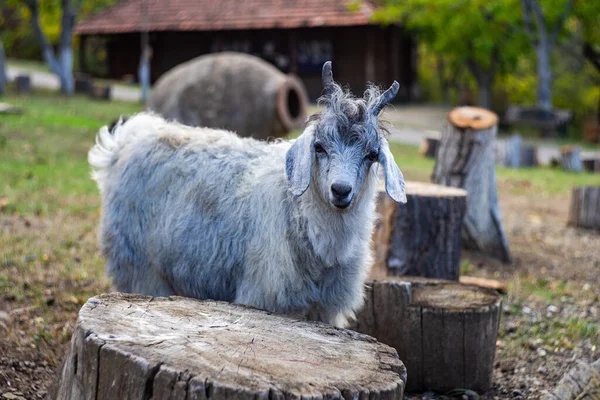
column 466, row 160
column 233, row 91
column 444, row 332
column 421, row 237
column 585, row 207
column 137, row 347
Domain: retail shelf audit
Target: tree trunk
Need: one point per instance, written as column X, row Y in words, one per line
column 585, row 207
column 466, row 160
column 3, row 78
column 544, row 74
column 444, row 332
column 484, row 92
column 138, row 347
column 421, row 237
column 570, row 158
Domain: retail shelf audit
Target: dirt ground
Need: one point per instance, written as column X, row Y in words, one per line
column 550, row 315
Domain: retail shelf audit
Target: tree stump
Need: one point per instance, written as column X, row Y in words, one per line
column 570, row 158
column 466, row 160
column 585, row 207
column 591, row 165
column 138, row 347
column 421, row 237
column 100, row 92
column 518, row 155
column 429, row 147
column 444, row 332
column 83, row 83
column 23, row 84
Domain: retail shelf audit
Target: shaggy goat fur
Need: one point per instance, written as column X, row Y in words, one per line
column 203, row 213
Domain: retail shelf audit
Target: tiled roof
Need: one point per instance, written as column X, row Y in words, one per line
column 210, row 15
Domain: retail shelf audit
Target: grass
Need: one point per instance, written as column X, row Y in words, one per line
column 43, row 152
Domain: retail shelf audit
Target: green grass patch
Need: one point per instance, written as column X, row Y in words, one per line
column 43, row 152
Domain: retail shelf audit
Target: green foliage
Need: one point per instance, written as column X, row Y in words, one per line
column 461, row 29
column 15, row 23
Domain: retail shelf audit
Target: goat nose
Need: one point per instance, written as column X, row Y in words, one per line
column 341, row 189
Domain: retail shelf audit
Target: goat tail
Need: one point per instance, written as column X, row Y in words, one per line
column 102, row 154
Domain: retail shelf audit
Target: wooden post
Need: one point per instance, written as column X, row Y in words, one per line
column 466, row 160
column 585, row 207
column 444, row 332
column 421, row 237
column 138, row 347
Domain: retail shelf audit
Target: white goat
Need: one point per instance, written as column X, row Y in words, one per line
column 282, row 226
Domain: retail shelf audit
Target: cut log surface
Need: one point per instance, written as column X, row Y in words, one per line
column 138, row 347
column 465, row 160
column 421, row 237
column 444, row 332
column 472, row 117
column 585, row 207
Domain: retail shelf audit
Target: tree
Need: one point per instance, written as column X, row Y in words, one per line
column 463, row 32
column 588, row 16
column 543, row 37
column 60, row 64
column 3, row 77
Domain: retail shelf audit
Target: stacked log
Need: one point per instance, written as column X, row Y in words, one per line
column 137, row 347
column 585, row 207
column 444, row 332
column 421, row 237
column 466, row 160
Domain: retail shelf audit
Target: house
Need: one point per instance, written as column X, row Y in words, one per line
column 297, row 36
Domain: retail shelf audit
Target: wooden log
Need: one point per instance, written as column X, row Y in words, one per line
column 444, row 332
column 23, row 84
column 518, row 154
column 466, row 160
column 591, row 165
column 429, row 147
column 570, row 158
column 582, row 382
column 138, row 347
column 100, row 92
column 585, row 207
column 421, row 237
column 500, row 287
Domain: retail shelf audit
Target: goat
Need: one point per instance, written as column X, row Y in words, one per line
column 282, row 226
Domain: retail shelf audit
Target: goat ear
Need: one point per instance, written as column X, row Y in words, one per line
column 394, row 181
column 299, row 161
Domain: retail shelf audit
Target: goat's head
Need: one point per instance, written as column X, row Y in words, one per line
column 340, row 145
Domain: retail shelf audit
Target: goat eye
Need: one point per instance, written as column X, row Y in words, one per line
column 372, row 156
column 319, row 148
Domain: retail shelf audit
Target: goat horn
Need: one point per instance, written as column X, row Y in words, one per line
column 386, row 97
column 327, row 76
